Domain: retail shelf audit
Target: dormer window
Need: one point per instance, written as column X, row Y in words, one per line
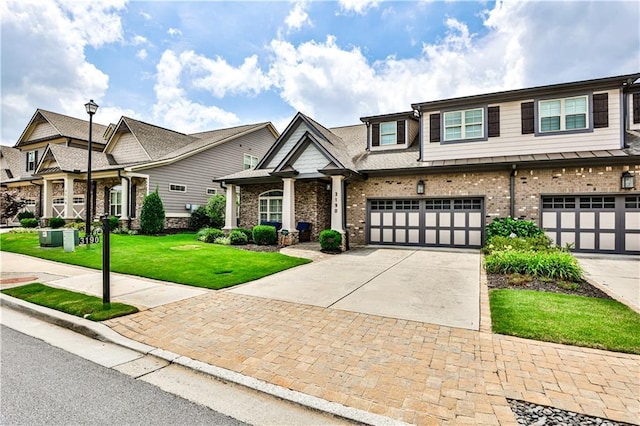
column 388, row 133
column 466, row 124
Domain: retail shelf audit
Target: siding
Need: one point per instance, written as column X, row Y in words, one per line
column 513, row 142
column 310, row 160
column 127, row 149
column 632, row 125
column 42, row 130
column 288, row 146
column 197, row 171
column 414, row 128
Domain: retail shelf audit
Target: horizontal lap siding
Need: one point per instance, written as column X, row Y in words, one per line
column 44, row 130
column 127, row 149
column 513, row 142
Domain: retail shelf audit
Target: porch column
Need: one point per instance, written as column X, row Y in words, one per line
column 47, row 198
column 230, row 212
column 68, row 198
column 337, row 203
column 288, row 204
column 125, row 198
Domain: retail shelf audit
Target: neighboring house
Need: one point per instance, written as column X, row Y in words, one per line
column 566, row 156
column 130, row 160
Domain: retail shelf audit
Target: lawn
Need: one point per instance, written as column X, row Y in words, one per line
column 80, row 305
column 178, row 258
column 561, row 318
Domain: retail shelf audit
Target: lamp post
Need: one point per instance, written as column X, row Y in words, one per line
column 91, row 107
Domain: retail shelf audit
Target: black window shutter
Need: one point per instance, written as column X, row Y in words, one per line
column 400, row 132
column 527, row 116
column 134, row 189
column 434, row 127
column 375, row 134
column 26, row 167
column 35, row 160
column 600, row 110
column 494, row 121
column 636, row 108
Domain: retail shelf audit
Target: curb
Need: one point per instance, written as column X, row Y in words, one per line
column 103, row 333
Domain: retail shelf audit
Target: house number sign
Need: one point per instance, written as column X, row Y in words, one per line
column 90, row 239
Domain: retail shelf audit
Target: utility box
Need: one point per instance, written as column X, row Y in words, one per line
column 68, row 239
column 53, row 237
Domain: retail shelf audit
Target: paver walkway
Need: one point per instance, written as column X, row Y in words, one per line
column 415, row 372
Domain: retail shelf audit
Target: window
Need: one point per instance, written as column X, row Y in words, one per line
column 559, row 202
column 78, row 199
column 408, row 205
column 31, row 160
column 467, row 205
column 177, row 188
column 632, row 202
column 249, row 161
column 115, row 201
column 388, row 133
column 556, row 115
column 467, row 124
column 597, row 202
column 382, row 205
column 29, row 202
column 437, row 204
column 270, row 207
column 212, row 191
column 58, row 201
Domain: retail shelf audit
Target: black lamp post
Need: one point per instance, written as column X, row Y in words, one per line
column 91, row 107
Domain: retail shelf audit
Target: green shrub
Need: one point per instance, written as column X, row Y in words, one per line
column 199, row 219
column 330, row 240
column 29, row 222
column 499, row 243
column 550, row 264
column 209, row 235
column 246, row 232
column 25, row 215
column 222, row 240
column 238, row 238
column 23, row 231
column 216, row 206
column 75, row 225
column 56, row 222
column 152, row 214
column 264, row 235
column 114, row 223
column 508, row 226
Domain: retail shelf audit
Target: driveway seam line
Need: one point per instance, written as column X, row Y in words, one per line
column 371, row 279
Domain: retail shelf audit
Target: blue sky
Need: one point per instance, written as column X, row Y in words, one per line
column 193, row 66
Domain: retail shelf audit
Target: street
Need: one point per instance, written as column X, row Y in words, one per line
column 42, row 384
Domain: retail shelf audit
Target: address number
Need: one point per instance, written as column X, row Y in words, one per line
column 92, row 239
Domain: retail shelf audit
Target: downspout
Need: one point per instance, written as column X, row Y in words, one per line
column 512, row 192
column 120, row 176
column 39, row 212
column 222, row 185
column 625, row 118
column 420, row 134
column 368, row 136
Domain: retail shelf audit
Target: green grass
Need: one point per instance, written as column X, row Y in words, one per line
column 80, row 305
column 560, row 318
column 176, row 258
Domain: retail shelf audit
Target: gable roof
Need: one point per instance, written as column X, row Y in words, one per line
column 11, row 158
column 69, row 159
column 66, row 126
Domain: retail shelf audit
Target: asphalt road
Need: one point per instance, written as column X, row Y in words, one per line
column 42, row 384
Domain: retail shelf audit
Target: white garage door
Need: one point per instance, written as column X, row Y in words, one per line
column 456, row 222
column 599, row 224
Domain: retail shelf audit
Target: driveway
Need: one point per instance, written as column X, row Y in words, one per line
column 617, row 275
column 436, row 287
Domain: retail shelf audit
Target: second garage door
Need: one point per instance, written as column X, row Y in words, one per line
column 442, row 222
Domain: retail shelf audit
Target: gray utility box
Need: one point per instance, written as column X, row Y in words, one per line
column 53, row 237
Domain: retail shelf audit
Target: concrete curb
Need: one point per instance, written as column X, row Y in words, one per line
column 103, row 333
column 610, row 293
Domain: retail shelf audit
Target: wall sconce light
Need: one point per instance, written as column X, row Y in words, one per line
column 420, row 187
column 627, row 181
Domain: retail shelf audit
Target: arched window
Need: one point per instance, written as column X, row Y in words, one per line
column 115, row 201
column 270, row 206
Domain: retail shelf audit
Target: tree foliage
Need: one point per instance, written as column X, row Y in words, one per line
column 10, row 204
column 216, row 210
column 152, row 214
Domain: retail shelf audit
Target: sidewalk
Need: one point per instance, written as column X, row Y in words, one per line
column 410, row 371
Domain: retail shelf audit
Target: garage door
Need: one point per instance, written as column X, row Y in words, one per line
column 599, row 224
column 451, row 222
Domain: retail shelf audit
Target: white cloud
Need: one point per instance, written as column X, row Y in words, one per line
column 174, row 32
column 173, row 108
column 145, row 15
column 358, row 6
column 138, row 40
column 142, row 54
column 57, row 76
column 298, row 16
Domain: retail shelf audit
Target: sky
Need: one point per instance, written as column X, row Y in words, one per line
column 203, row 65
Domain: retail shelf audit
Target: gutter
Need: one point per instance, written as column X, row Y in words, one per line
column 512, row 192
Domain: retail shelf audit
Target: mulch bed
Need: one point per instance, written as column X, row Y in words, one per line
column 583, row 289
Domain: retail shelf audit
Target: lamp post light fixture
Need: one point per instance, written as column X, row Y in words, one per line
column 91, row 108
column 627, row 181
column 420, row 187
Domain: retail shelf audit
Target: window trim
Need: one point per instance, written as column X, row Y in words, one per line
column 270, row 195
column 562, row 97
column 177, row 190
column 115, row 190
column 484, row 125
column 393, row 124
column 31, row 162
column 215, row 191
column 251, row 162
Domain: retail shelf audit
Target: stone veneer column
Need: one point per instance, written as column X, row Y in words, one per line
column 230, row 212
column 288, row 204
column 47, row 198
column 337, row 203
column 68, row 197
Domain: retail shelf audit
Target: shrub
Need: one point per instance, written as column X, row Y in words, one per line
column 209, row 235
column 152, row 214
column 215, row 210
column 29, row 222
column 114, row 223
column 330, row 240
column 23, row 231
column 199, row 219
column 264, row 235
column 25, row 215
column 246, row 232
column 499, row 243
column 56, row 222
column 508, row 226
column 222, row 240
column 75, row 225
column 238, row 238
column 551, row 264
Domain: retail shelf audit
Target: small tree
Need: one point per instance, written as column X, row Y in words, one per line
column 215, row 210
column 152, row 214
column 10, row 204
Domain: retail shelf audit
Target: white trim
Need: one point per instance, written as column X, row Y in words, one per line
column 177, row 215
column 562, row 115
column 463, row 124
column 177, row 190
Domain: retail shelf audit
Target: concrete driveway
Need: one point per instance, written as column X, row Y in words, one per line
column 436, row 287
column 617, row 275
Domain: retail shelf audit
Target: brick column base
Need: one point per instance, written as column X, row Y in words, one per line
column 287, row 240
